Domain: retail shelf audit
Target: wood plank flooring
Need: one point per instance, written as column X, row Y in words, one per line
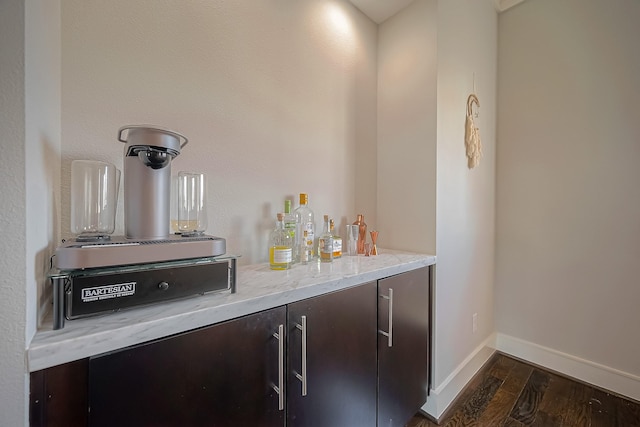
column 511, row 393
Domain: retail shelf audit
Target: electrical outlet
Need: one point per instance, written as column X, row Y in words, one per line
column 475, row 322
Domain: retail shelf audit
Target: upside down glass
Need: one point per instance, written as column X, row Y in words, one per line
column 189, row 207
column 94, row 197
column 352, row 239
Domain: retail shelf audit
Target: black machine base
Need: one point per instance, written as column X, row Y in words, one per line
column 83, row 293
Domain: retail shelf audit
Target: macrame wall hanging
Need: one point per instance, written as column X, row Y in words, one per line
column 472, row 133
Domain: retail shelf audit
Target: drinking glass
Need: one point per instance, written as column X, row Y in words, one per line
column 94, row 197
column 352, row 239
column 189, row 208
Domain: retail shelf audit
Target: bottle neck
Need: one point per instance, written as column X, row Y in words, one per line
column 279, row 224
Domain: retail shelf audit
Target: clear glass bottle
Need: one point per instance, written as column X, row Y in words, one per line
column 337, row 241
column 280, row 246
column 325, row 242
column 291, row 225
column 304, row 248
column 362, row 233
column 305, row 218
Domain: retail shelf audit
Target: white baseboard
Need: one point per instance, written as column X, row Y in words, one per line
column 619, row 382
column 444, row 394
column 611, row 379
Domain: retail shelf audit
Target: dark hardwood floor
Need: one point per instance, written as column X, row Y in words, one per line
column 510, row 393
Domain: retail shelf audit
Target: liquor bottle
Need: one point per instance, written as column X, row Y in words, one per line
column 325, row 242
column 304, row 249
column 291, row 225
column 280, row 246
column 337, row 241
column 304, row 217
column 362, row 233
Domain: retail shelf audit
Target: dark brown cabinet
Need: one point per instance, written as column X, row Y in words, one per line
column 58, row 396
column 332, row 359
column 217, row 376
column 354, row 357
column 403, row 346
column 228, row 374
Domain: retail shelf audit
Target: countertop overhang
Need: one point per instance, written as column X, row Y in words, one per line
column 258, row 288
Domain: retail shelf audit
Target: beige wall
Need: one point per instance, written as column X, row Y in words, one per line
column 275, row 101
column 251, row 86
column 42, row 146
column 276, row 98
column 568, row 210
column 467, row 52
column 428, row 56
column 30, row 116
column 13, row 391
column 407, row 68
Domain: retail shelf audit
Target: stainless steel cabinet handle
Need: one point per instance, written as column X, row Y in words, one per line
column 303, row 377
column 278, row 388
column 389, row 334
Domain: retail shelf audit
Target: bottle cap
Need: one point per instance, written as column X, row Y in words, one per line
column 280, row 216
column 287, row 206
column 304, row 198
column 326, row 218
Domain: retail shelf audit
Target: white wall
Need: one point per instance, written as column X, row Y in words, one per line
column 13, row 294
column 429, row 53
column 255, row 87
column 42, row 151
column 276, row 98
column 467, row 46
column 407, row 78
column 30, row 114
column 568, row 201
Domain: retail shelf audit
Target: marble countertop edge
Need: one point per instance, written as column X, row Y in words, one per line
column 258, row 289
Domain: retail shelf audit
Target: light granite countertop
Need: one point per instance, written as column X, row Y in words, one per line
column 258, row 288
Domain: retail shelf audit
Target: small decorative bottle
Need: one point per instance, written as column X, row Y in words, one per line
column 304, row 250
column 325, row 242
column 305, row 219
column 362, row 233
column 280, row 246
column 291, row 225
column 337, row 241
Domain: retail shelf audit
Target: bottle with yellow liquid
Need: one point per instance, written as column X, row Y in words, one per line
column 291, row 225
column 325, row 242
column 337, row 241
column 280, row 246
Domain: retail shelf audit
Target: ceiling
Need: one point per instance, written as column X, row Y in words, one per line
column 379, row 10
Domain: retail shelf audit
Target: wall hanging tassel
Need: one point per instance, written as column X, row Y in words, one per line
column 472, row 134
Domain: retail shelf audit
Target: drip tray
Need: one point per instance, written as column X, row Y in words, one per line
column 74, row 255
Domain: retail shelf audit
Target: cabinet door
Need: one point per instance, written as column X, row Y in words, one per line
column 221, row 375
column 403, row 346
column 337, row 360
column 58, row 396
